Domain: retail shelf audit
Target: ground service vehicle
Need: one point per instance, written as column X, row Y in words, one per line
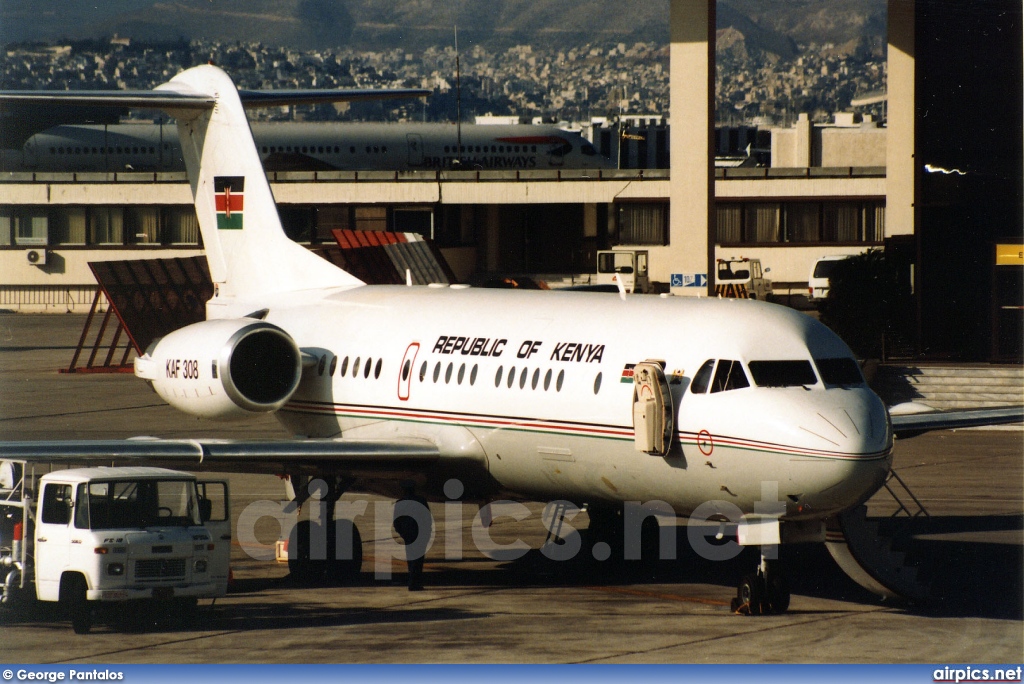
column 743, row 279
column 629, row 265
column 818, row 282
column 141, row 536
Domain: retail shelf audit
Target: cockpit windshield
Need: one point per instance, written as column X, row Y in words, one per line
column 782, row 373
column 728, row 375
column 841, row 371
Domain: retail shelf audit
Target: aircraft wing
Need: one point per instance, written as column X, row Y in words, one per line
column 911, row 424
column 366, row 457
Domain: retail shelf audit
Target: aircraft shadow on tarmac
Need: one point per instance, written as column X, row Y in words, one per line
column 966, row 579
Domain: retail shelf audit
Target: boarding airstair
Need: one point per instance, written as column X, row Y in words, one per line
column 870, row 549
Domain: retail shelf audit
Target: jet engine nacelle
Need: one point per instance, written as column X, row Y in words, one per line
column 223, row 369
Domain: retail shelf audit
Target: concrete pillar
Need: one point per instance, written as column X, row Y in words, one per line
column 692, row 187
column 804, row 141
column 901, row 166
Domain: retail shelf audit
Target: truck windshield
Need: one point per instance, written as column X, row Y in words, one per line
column 734, row 270
column 137, row 503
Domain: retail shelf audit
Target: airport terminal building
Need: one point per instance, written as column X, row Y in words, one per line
column 940, row 187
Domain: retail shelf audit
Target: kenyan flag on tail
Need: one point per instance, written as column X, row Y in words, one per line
column 229, row 192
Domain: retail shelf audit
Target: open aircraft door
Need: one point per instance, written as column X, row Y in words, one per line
column 653, row 409
column 405, row 379
column 414, row 141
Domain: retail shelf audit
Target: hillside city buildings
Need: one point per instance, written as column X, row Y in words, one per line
column 571, row 84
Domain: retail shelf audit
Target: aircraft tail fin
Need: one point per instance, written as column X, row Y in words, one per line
column 247, row 249
column 249, row 254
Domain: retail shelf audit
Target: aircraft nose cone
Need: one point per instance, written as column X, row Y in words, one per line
column 852, row 427
column 856, row 424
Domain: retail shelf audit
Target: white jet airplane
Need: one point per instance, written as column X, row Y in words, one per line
column 718, row 408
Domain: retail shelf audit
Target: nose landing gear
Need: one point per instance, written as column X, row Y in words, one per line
column 764, row 592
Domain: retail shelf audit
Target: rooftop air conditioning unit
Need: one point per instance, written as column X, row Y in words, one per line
column 36, row 257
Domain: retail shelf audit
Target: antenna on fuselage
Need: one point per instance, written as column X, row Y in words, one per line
column 458, row 100
column 621, row 285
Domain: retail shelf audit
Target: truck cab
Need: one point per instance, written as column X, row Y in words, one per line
column 629, row 266
column 117, row 535
column 742, row 278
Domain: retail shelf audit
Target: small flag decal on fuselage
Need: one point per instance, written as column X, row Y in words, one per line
column 229, row 193
column 627, row 373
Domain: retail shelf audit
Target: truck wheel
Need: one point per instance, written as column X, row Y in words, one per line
column 73, row 598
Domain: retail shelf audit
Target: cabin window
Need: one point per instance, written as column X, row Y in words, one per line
column 423, row 371
column 320, row 367
column 462, row 373
column 437, row 371
column 536, row 379
column 344, row 368
column 561, row 379
column 376, row 369
column 334, row 365
column 782, row 373
column 448, row 373
column 597, row 383
column 355, row 368
column 843, row 371
column 511, row 376
column 729, row 376
column 547, row 380
column 366, row 368
column 405, row 370
column 497, row 376
column 472, row 375
column 522, row 378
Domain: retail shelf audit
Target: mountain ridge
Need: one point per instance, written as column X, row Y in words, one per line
column 775, row 26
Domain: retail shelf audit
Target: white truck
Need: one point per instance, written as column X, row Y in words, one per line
column 742, row 278
column 137, row 536
column 628, row 265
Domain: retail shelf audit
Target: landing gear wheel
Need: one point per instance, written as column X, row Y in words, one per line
column 301, row 566
column 324, row 566
column 72, row 595
column 342, row 570
column 750, row 595
column 777, row 593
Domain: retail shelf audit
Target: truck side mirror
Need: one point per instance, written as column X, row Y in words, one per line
column 205, row 509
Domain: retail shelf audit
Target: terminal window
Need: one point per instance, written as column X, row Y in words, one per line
column 766, row 223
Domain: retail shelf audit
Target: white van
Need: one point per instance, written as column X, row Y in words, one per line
column 821, row 271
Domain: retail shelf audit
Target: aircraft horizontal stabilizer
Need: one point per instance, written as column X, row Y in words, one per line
column 143, row 99
column 252, row 99
column 166, row 97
